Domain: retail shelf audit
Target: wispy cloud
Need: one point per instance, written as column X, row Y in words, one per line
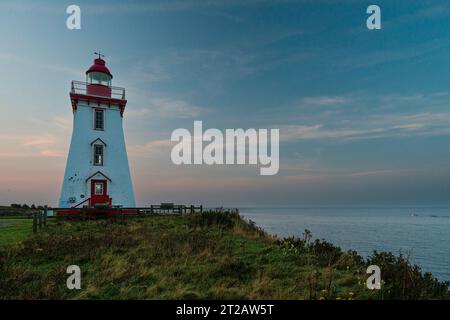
column 63, row 123
column 35, row 146
column 39, row 141
column 153, row 148
column 53, row 153
column 365, row 116
column 325, row 100
column 386, row 126
column 183, row 5
column 14, row 58
column 379, row 57
column 166, row 108
column 428, row 11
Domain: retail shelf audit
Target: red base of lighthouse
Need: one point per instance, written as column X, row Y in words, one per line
column 93, row 213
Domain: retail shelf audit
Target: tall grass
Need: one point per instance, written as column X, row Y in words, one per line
column 197, row 256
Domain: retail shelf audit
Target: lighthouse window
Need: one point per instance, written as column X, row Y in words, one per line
column 98, row 155
column 99, row 122
column 99, row 78
column 98, row 189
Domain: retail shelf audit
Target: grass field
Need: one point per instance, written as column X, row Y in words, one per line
column 194, row 256
column 14, row 230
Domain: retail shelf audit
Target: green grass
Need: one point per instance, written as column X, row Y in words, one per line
column 200, row 256
column 14, row 230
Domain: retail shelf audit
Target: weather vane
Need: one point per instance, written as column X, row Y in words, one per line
column 100, row 55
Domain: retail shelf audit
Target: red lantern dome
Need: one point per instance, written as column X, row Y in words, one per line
column 99, row 66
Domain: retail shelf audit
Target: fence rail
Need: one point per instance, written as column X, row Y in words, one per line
column 108, row 211
column 40, row 216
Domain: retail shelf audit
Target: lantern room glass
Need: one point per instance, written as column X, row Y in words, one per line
column 98, row 78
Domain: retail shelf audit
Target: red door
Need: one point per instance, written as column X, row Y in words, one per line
column 99, row 192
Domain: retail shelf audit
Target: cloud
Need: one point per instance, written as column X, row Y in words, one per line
column 181, row 5
column 31, row 146
column 63, row 123
column 377, row 126
column 226, row 62
column 325, row 100
column 39, row 141
column 363, row 116
column 385, row 173
column 194, row 71
column 14, row 58
column 374, row 58
column 166, row 108
column 428, row 11
column 148, row 70
column 151, row 148
column 294, row 132
column 53, row 153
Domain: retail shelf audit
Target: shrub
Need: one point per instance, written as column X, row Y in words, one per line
column 225, row 220
column 402, row 280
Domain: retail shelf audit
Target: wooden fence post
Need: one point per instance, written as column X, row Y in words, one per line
column 45, row 216
column 34, row 222
column 40, row 219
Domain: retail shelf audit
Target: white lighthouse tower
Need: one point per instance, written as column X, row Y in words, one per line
column 97, row 172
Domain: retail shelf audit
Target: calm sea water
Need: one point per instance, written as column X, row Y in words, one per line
column 423, row 233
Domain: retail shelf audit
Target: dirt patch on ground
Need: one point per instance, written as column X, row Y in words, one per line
column 4, row 223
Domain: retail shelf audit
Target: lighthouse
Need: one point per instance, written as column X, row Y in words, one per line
column 97, row 173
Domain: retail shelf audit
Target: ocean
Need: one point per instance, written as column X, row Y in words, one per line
column 422, row 233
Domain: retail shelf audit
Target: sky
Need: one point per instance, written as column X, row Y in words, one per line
column 363, row 114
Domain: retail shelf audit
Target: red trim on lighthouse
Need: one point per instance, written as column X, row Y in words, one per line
column 76, row 97
column 98, row 90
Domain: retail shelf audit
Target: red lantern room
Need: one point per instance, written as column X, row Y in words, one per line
column 98, row 88
column 98, row 79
